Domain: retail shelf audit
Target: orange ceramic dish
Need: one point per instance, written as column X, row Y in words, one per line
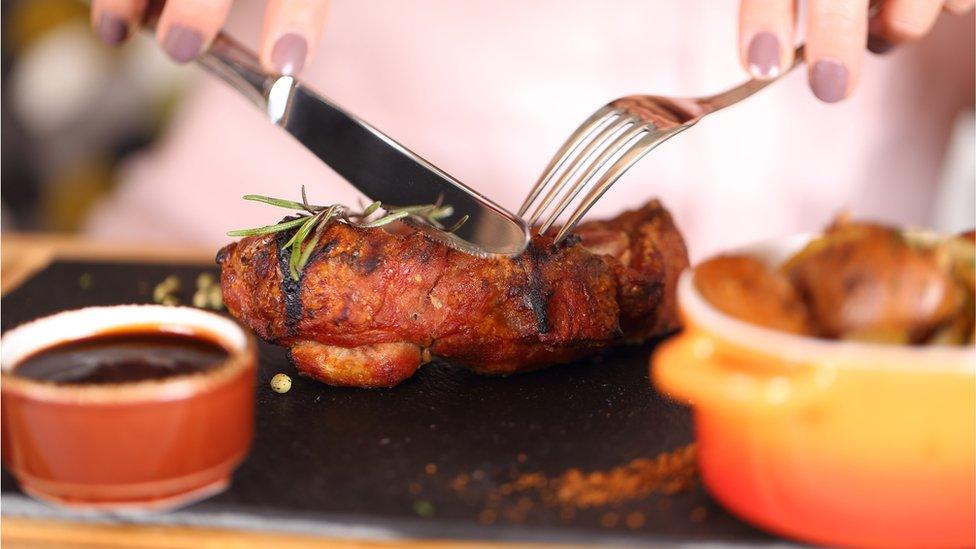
column 830, row 442
column 152, row 444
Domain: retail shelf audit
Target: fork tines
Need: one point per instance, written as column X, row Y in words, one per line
column 593, row 157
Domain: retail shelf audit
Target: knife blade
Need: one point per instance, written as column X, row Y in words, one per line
column 378, row 166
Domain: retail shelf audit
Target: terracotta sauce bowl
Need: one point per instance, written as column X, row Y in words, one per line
column 148, row 445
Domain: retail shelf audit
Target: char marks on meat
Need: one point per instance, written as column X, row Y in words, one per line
column 371, row 306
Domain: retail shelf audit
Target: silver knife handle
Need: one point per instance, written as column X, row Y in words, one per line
column 239, row 67
column 227, row 59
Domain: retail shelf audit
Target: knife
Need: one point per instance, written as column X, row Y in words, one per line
column 370, row 160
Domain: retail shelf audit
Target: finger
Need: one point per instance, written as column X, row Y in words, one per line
column 291, row 33
column 186, row 27
column 905, row 20
column 114, row 20
column 836, row 35
column 877, row 43
column 766, row 36
column 959, row 7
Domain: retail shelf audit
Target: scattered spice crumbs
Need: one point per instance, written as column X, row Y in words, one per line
column 423, row 508
column 487, row 516
column 167, row 292
column 635, row 520
column 609, row 519
column 459, row 483
column 567, row 514
column 208, row 294
column 667, row 473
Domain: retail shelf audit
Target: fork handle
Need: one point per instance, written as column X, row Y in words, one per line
column 719, row 101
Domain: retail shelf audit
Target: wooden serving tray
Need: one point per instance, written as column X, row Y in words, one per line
column 354, row 463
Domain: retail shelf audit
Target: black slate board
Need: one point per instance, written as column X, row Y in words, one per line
column 342, row 461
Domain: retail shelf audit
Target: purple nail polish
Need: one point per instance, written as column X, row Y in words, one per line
column 828, row 80
column 763, row 55
column 112, row 29
column 182, row 43
column 288, row 54
column 879, row 45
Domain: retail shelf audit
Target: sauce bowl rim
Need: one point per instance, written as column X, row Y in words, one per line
column 239, row 343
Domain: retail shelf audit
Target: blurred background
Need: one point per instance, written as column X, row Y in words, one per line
column 72, row 110
column 77, row 117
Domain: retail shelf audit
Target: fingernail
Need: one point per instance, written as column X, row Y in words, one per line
column 112, row 29
column 182, row 43
column 879, row 45
column 288, row 54
column 828, row 80
column 764, row 55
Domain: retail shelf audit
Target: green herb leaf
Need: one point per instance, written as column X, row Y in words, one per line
column 302, row 231
column 318, row 218
column 457, row 225
column 291, row 205
column 385, row 220
column 307, row 251
column 296, row 244
column 283, row 226
column 371, row 209
column 442, row 212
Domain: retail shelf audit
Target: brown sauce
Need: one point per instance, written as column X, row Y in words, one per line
column 123, row 357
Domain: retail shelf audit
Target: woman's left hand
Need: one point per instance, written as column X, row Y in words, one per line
column 837, row 32
column 290, row 36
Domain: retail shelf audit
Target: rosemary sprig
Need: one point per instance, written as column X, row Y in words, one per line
column 312, row 220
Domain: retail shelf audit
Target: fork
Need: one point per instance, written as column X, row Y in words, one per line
column 615, row 137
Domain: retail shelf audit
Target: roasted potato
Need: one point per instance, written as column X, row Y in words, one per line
column 867, row 282
column 962, row 253
column 747, row 289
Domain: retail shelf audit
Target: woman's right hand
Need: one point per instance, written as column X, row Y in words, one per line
column 836, row 34
column 289, row 36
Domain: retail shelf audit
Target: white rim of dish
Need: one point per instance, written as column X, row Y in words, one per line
column 45, row 332
column 810, row 350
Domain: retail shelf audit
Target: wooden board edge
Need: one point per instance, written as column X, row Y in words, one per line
column 18, row 533
column 23, row 255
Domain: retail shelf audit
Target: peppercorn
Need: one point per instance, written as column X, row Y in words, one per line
column 168, row 288
column 280, row 383
column 205, row 279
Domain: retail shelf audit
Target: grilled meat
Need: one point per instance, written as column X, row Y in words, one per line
column 371, row 306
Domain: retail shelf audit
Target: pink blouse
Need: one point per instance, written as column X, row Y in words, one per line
column 488, row 90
